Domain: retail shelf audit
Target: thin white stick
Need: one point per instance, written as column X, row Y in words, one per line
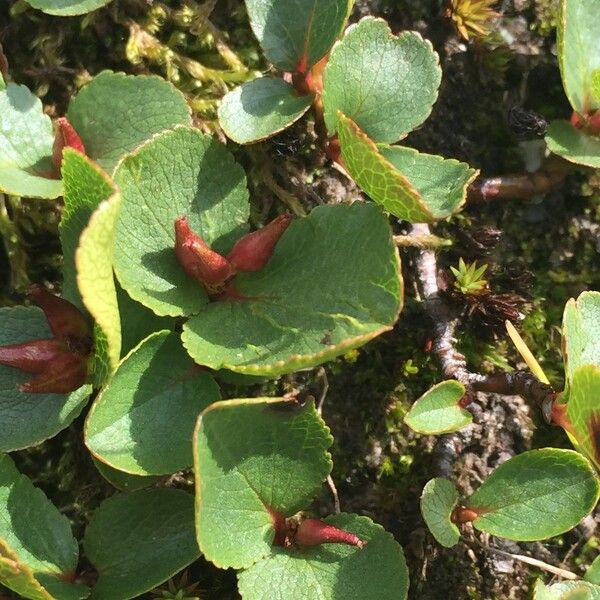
column 533, row 562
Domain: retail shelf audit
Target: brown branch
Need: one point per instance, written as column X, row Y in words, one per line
column 521, row 186
column 453, row 363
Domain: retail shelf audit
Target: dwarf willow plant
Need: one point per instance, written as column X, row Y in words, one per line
column 367, row 91
column 578, row 45
column 165, row 291
column 540, row 493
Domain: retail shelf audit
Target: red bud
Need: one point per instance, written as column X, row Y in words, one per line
column 197, row 259
column 64, row 318
column 32, row 357
column 61, row 363
column 253, row 251
column 577, row 120
column 64, row 374
column 462, row 514
column 65, row 137
column 313, row 532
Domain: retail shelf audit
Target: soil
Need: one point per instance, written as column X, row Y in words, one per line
column 380, row 466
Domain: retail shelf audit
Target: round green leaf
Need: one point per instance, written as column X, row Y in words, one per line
column 261, row 108
column 581, row 333
column 26, row 139
column 143, row 420
column 567, row 590
column 438, row 500
column 437, row 410
column 180, row 172
column 578, row 45
column 332, row 571
column 441, row 183
column 115, row 113
column 386, row 84
column 295, row 34
column 582, row 411
column 28, row 419
column 37, row 537
column 332, row 284
column 573, row 144
column 377, row 177
column 124, row 482
column 250, row 456
column 536, row 495
column 593, row 572
column 67, row 8
column 139, row 540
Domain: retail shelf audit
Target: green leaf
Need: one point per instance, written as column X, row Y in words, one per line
column 573, row 144
column 581, row 333
column 578, row 47
column 67, row 8
column 567, row 590
column 250, row 456
column 138, row 322
column 297, row 33
column 437, row 410
column 386, row 84
column 125, row 482
column 332, row 571
column 95, row 278
column 115, row 113
column 85, row 187
column 37, row 537
column 593, row 572
column 180, row 172
column 380, row 179
column 28, row 419
column 583, row 411
column 536, row 495
column 438, row 500
column 26, row 139
column 332, row 284
column 261, row 108
column 137, row 541
column 441, row 183
column 143, row 420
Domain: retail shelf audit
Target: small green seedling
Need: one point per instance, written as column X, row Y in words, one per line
column 578, row 140
column 469, row 277
column 367, row 91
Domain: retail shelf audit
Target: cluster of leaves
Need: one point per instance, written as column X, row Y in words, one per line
column 128, row 173
column 371, row 90
column 541, row 493
column 156, row 332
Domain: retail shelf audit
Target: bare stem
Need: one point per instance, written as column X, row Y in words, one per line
column 453, row 363
column 521, row 186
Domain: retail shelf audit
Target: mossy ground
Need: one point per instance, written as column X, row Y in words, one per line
column 549, row 252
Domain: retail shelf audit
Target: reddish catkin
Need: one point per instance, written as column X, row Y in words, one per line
column 197, row 259
column 65, row 136
column 64, row 318
column 61, row 364
column 313, row 532
column 253, row 251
